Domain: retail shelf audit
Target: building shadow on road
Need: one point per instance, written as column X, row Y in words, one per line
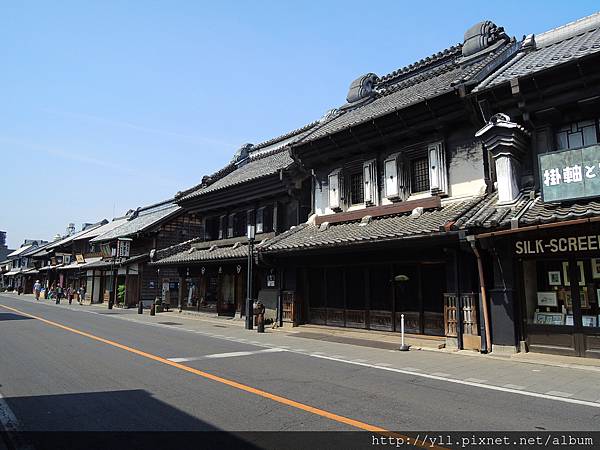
column 128, row 419
column 11, row 316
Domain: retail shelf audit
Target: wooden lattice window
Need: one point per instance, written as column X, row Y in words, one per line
column 357, row 189
column 420, row 175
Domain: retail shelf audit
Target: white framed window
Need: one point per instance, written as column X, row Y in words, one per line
column 230, row 220
column 335, row 188
column 438, row 176
column 370, row 182
column 222, row 227
column 390, row 173
column 260, row 219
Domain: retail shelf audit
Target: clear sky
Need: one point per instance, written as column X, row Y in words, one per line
column 110, row 105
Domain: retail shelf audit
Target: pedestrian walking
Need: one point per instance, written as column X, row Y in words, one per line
column 70, row 294
column 81, row 294
column 37, row 288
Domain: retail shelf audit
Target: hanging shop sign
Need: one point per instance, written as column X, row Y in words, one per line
column 570, row 174
column 568, row 244
column 123, row 247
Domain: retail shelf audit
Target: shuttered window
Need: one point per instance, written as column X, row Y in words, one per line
column 334, row 189
column 391, row 177
column 260, row 219
column 230, row 225
column 370, row 181
column 438, row 177
column 222, row 227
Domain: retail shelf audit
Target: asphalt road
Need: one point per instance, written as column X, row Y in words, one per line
column 120, row 376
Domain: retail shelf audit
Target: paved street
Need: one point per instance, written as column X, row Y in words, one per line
column 87, row 368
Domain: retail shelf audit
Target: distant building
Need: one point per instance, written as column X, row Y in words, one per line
column 4, row 251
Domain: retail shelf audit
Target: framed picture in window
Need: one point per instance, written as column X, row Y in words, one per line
column 565, row 266
column 554, row 278
column 569, row 320
column 595, row 268
column 589, row 321
column 547, row 298
column 583, row 297
column 545, row 318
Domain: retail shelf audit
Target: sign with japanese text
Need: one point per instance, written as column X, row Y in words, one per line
column 570, row 174
column 123, row 247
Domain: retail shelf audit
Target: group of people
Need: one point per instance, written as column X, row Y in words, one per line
column 58, row 292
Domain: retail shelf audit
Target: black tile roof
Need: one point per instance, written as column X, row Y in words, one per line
column 490, row 214
column 141, row 220
column 433, row 76
column 540, row 212
column 258, row 167
column 529, row 209
column 552, row 48
column 388, row 228
column 266, row 158
column 198, row 255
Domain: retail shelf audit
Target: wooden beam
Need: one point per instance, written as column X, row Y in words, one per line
column 378, row 211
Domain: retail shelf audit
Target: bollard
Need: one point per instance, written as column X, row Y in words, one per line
column 57, row 300
column 403, row 346
column 110, row 304
column 140, row 307
column 153, row 309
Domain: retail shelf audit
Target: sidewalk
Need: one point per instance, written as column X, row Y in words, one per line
column 565, row 379
column 366, row 338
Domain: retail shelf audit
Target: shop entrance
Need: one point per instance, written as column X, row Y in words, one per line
column 376, row 297
column 562, row 305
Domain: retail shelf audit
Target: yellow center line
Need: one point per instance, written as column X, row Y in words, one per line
column 276, row 398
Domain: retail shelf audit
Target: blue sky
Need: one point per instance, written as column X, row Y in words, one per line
column 109, row 105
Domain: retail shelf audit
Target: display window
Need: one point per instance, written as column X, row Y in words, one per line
column 554, row 299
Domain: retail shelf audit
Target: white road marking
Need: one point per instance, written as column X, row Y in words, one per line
column 441, row 374
column 559, row 394
column 513, row 386
column 227, row 355
column 468, row 383
column 476, row 380
column 383, row 364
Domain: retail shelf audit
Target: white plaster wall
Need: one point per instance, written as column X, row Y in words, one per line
column 321, row 197
column 465, row 170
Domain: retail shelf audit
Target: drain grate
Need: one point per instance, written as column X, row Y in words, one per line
column 169, row 323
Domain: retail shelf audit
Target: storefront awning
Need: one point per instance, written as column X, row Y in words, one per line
column 237, row 251
column 50, row 267
column 369, row 229
column 73, row 266
column 12, row 272
column 89, row 261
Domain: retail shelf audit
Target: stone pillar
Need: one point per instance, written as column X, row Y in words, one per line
column 507, row 142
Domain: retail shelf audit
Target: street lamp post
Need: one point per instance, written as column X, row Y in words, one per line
column 249, row 305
